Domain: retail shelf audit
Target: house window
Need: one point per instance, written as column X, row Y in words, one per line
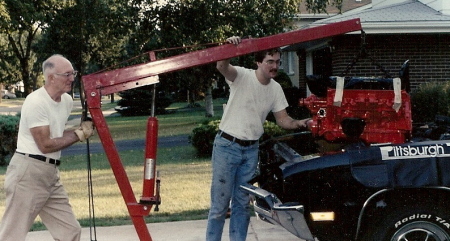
column 289, row 63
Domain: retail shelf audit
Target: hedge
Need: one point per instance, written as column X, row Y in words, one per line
column 9, row 128
column 202, row 137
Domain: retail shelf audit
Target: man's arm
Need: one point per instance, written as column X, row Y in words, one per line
column 227, row 70
column 224, row 66
column 286, row 122
column 41, row 135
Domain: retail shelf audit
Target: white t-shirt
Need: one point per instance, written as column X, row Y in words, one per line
column 249, row 104
column 39, row 109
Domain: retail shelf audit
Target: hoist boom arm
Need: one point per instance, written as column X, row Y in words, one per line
column 113, row 81
column 104, row 83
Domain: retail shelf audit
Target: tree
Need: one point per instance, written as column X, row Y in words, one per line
column 8, row 67
column 21, row 24
column 194, row 22
column 138, row 101
column 98, row 33
column 319, row 6
column 93, row 34
column 9, row 72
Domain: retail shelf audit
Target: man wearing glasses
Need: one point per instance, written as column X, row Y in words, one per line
column 32, row 182
column 253, row 94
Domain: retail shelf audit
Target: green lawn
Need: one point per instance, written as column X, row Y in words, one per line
column 185, row 178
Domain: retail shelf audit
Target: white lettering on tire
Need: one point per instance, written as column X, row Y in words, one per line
column 430, row 217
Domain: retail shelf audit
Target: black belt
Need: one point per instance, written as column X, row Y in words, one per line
column 41, row 158
column 234, row 139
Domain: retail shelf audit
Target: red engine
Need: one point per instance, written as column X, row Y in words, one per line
column 359, row 109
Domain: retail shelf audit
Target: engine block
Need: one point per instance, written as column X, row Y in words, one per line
column 367, row 115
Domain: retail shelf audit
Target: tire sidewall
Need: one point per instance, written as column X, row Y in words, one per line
column 405, row 219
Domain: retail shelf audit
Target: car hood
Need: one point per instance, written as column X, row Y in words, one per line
column 386, row 166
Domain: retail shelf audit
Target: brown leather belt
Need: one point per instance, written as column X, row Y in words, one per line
column 234, row 139
column 41, row 158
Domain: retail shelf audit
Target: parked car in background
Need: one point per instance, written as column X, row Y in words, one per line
column 8, row 95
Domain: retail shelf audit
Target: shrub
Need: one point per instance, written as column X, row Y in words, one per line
column 138, row 102
column 202, row 137
column 271, row 129
column 9, row 127
column 430, row 99
column 283, row 79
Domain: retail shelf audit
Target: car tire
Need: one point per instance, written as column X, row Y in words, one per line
column 429, row 223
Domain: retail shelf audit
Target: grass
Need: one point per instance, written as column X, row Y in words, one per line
column 185, row 182
column 178, row 123
column 185, row 178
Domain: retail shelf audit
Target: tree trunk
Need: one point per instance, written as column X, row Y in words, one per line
column 188, row 97
column 209, row 102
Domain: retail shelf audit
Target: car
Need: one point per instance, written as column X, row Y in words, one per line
column 381, row 192
column 373, row 176
column 8, row 95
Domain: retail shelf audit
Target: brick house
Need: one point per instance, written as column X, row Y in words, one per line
column 395, row 31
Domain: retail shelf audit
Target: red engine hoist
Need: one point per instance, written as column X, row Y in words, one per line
column 113, row 81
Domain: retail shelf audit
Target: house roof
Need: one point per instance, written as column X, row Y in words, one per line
column 409, row 16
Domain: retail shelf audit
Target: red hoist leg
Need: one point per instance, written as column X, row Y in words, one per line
column 150, row 179
column 136, row 210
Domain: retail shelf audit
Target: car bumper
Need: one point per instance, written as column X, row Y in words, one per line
column 269, row 208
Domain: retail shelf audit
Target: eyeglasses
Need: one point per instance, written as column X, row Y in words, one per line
column 271, row 62
column 68, row 74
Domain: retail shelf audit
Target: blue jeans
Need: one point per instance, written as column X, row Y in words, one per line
column 232, row 165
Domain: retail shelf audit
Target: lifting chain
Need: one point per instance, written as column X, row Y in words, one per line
column 363, row 53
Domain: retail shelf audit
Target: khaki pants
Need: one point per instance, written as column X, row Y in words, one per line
column 33, row 188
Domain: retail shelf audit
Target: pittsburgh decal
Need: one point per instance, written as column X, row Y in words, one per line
column 415, row 151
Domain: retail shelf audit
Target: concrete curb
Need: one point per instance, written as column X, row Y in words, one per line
column 177, row 231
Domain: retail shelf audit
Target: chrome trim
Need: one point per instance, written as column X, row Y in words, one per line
column 289, row 216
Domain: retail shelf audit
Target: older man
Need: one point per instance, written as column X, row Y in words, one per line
column 32, row 182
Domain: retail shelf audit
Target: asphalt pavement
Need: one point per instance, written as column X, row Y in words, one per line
column 123, row 145
column 126, row 145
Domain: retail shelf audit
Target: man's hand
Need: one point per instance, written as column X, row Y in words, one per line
column 234, row 40
column 85, row 130
column 303, row 123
